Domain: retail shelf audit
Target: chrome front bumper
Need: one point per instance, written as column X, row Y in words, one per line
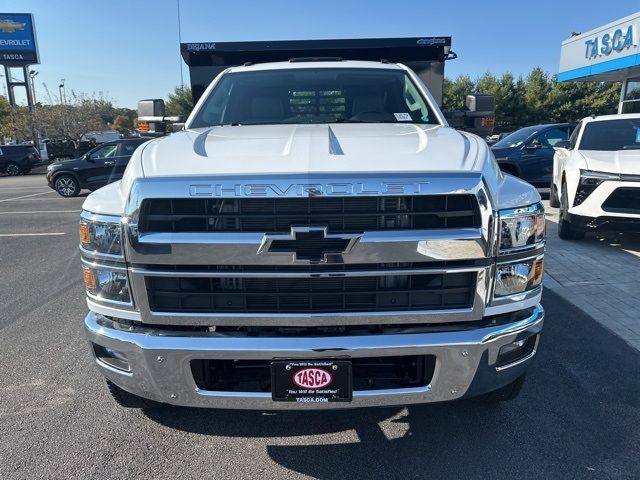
column 465, row 361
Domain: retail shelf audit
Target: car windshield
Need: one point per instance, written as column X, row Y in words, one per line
column 517, row 138
column 611, row 135
column 319, row 95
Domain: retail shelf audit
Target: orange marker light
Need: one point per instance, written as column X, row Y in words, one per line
column 143, row 126
column 537, row 271
column 89, row 279
column 85, row 234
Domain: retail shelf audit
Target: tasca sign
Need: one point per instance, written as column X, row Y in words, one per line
column 601, row 52
column 18, row 39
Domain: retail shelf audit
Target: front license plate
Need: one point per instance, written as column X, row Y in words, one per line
column 317, row 381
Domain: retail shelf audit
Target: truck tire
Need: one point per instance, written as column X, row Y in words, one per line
column 553, row 196
column 566, row 230
column 505, row 394
column 66, row 186
column 129, row 400
column 13, row 169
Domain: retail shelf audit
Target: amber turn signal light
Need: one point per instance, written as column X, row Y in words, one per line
column 90, row 280
column 85, row 234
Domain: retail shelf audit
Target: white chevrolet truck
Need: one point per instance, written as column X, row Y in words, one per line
column 316, row 237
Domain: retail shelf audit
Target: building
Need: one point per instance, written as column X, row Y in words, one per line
column 604, row 54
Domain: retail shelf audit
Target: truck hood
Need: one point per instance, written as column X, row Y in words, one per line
column 308, row 149
column 621, row 161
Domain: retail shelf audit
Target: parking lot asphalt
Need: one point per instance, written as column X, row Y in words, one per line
column 577, row 416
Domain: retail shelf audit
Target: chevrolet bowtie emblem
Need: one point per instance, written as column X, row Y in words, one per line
column 9, row 26
column 308, row 244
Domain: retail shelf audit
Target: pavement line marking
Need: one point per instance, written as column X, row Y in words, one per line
column 26, row 196
column 40, row 211
column 30, row 234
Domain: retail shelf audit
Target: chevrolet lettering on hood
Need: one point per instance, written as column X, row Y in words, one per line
column 305, row 190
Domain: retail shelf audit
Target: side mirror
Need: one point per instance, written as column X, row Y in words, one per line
column 87, row 158
column 533, row 145
column 562, row 144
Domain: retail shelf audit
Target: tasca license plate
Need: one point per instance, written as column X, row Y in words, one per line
column 316, row 381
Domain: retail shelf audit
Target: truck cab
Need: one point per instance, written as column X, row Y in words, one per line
column 316, row 237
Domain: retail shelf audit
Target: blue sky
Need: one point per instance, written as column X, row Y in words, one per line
column 128, row 49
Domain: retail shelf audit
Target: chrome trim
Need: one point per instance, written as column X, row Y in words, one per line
column 103, row 266
column 93, row 255
column 97, row 217
column 298, row 274
column 373, row 247
column 138, row 284
column 465, row 361
column 111, row 311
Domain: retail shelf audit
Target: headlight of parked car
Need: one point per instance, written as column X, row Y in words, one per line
column 589, row 181
column 521, row 228
column 105, row 283
column 101, row 234
column 518, row 277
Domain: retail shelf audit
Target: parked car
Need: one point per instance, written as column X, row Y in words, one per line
column 596, row 176
column 528, row 153
column 98, row 167
column 18, row 159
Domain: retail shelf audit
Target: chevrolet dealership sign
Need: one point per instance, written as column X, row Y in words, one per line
column 603, row 53
column 18, row 39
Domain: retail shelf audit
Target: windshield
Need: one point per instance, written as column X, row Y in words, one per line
column 516, row 139
column 611, row 135
column 319, row 95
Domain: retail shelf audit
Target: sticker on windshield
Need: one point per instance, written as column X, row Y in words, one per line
column 403, row 117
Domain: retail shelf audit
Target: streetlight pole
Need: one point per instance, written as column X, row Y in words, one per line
column 32, row 76
column 61, row 88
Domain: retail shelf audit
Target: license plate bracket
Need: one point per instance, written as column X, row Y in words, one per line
column 311, row 381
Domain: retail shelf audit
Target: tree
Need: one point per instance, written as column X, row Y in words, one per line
column 180, row 102
column 123, row 124
column 455, row 92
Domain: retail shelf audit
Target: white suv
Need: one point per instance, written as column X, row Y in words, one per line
column 596, row 176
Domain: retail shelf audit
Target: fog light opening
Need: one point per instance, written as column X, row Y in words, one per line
column 515, row 351
column 112, row 358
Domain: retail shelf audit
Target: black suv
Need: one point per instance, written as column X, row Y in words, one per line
column 18, row 159
column 96, row 168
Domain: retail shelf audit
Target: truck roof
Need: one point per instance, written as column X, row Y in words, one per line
column 614, row 116
column 314, row 64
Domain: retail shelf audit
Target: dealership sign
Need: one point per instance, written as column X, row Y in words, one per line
column 604, row 53
column 18, row 44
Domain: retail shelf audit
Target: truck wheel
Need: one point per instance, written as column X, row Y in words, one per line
column 566, row 230
column 553, row 196
column 129, row 400
column 13, row 169
column 504, row 394
column 67, row 186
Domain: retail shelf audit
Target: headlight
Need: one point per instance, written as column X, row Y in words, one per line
column 106, row 284
column 518, row 277
column 101, row 234
column 521, row 228
column 589, row 181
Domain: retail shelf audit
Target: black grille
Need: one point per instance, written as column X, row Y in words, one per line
column 376, row 293
column 623, row 200
column 339, row 214
column 376, row 373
